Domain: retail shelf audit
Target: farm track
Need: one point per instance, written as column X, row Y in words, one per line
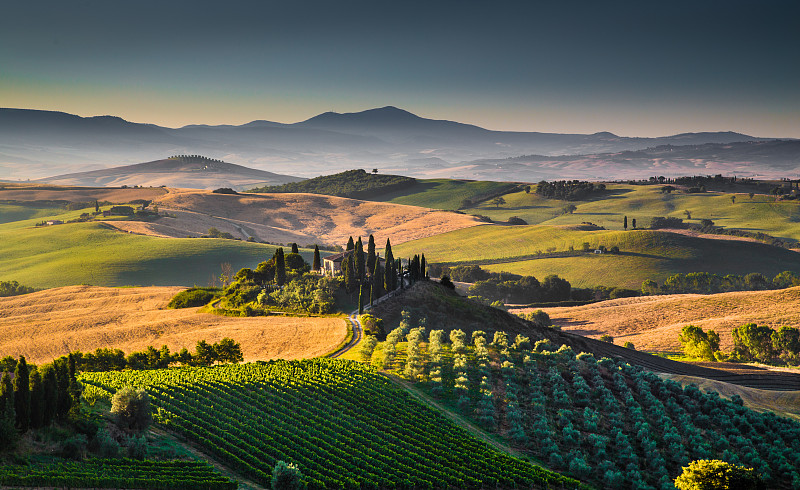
column 358, row 330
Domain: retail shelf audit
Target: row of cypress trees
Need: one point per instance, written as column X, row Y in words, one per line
column 35, row 397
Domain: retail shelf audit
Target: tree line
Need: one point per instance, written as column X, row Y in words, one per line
column 751, row 342
column 357, row 184
column 568, row 190
column 707, row 283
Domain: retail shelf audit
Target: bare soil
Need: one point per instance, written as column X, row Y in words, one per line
column 51, row 323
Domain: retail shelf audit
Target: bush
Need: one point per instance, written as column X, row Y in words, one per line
column 74, row 447
column 193, row 297
column 515, row 220
column 714, row 474
column 131, row 409
column 607, row 338
column 286, row 476
column 138, row 448
column 446, row 282
column 224, row 190
column 107, row 447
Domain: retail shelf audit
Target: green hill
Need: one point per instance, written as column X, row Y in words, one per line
column 446, row 194
column 643, row 254
column 93, row 253
column 357, row 184
column 643, row 202
column 342, row 424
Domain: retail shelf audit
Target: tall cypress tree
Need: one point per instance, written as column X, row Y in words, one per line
column 8, row 431
column 22, row 395
column 280, row 267
column 317, row 262
column 349, row 272
column 37, row 399
column 62, row 379
column 625, row 223
column 350, row 244
column 371, row 254
column 377, row 282
column 423, row 274
column 50, row 388
column 388, row 271
column 361, row 265
column 400, row 273
column 295, row 250
column 74, row 386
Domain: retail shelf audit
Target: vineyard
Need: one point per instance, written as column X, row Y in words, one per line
column 603, row 422
column 106, row 473
column 342, row 424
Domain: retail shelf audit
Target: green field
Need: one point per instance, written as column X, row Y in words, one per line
column 16, row 212
column 644, row 254
column 761, row 213
column 342, row 424
column 443, row 193
column 92, row 253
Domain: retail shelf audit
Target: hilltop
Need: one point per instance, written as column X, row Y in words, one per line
column 63, row 320
column 194, row 172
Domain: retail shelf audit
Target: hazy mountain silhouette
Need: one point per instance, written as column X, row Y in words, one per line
column 187, row 172
column 39, row 143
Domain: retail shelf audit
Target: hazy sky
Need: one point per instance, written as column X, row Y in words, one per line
column 636, row 68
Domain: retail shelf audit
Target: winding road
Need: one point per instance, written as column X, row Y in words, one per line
column 357, row 334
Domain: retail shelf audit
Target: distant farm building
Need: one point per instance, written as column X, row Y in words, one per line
column 332, row 264
column 54, row 222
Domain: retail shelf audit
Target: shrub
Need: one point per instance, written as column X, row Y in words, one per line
column 131, row 408
column 224, row 190
column 516, row 220
column 193, row 297
column 285, row 476
column 138, row 448
column 607, row 338
column 714, row 474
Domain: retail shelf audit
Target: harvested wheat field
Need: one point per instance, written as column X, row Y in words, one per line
column 301, row 218
column 54, row 322
column 654, row 323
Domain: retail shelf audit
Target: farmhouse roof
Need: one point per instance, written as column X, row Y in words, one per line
column 337, row 257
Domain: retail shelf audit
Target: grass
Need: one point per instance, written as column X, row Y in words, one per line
column 761, row 213
column 91, row 253
column 15, row 212
column 644, row 254
column 443, row 193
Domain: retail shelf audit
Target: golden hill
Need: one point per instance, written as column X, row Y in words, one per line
column 301, row 218
column 54, row 322
column 654, row 323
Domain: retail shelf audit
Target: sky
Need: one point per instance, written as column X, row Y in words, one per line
column 635, row 68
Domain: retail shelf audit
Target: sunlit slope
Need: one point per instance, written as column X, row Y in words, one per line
column 760, row 213
column 644, row 254
column 92, row 253
column 84, row 318
column 444, row 193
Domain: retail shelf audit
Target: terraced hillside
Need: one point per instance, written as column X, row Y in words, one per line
column 643, row 254
column 343, row 425
column 51, row 323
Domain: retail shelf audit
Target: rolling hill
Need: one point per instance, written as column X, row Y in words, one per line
column 643, row 254
column 188, row 172
column 654, row 323
column 41, row 143
column 62, row 320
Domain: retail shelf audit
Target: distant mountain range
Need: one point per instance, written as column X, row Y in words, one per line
column 36, row 144
column 192, row 172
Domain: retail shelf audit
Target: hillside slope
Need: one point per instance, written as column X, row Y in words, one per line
column 48, row 324
column 643, row 254
column 654, row 323
column 189, row 172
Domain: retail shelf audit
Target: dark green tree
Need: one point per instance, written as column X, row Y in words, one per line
column 286, row 477
column 295, row 250
column 377, row 282
column 22, row 395
column 753, row 342
column 350, row 244
column 360, row 262
column 50, row 389
column 8, row 431
column 625, row 223
column 400, row 273
column 389, row 282
column 360, row 299
column 280, row 267
column 37, row 399
column 62, row 378
column 131, row 409
column 317, row 261
column 204, row 354
column 96, row 206
column 633, row 223
column 423, row 273
column 349, row 272
column 296, row 262
column 74, row 387
column 228, row 351
column 371, row 254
